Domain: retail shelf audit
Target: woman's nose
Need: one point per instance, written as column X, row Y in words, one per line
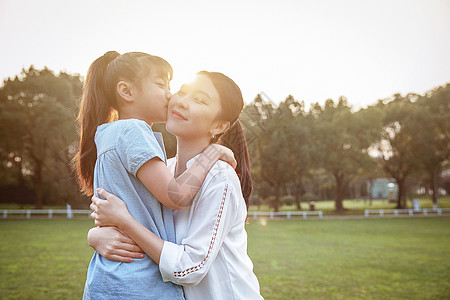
column 178, row 100
column 183, row 103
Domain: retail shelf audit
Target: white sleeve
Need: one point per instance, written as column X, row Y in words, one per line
column 214, row 215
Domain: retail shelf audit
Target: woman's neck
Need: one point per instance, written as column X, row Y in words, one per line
column 186, row 150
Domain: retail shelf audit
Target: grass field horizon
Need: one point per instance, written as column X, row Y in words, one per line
column 392, row 258
column 352, row 206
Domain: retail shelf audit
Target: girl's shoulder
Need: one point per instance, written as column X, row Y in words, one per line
column 124, row 127
column 123, row 124
column 130, row 124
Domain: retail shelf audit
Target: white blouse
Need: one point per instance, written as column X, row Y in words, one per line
column 210, row 258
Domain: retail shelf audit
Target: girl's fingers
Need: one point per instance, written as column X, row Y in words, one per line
column 119, row 254
column 129, row 254
column 131, row 248
column 103, row 193
column 234, row 164
column 95, row 200
column 127, row 243
column 119, row 258
column 126, row 239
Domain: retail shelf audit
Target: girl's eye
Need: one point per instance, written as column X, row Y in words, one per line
column 181, row 93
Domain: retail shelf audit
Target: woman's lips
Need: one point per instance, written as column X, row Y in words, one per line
column 177, row 115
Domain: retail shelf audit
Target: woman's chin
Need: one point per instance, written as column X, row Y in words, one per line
column 173, row 128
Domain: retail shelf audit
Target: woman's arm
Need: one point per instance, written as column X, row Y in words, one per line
column 216, row 213
column 113, row 244
column 113, row 212
column 185, row 264
column 176, row 193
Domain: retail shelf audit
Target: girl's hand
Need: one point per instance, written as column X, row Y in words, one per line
column 114, row 244
column 225, row 154
column 109, row 212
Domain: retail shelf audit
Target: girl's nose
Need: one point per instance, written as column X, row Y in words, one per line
column 168, row 95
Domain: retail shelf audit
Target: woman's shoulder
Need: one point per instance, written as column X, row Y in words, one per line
column 224, row 174
column 222, row 184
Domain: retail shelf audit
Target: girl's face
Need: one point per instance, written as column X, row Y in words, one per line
column 151, row 95
column 193, row 110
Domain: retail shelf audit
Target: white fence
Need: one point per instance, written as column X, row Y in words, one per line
column 396, row 212
column 50, row 212
column 287, row 214
column 69, row 213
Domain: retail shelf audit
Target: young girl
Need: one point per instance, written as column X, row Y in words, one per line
column 209, row 257
column 128, row 159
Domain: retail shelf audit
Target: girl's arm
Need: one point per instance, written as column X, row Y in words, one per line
column 113, row 244
column 176, row 193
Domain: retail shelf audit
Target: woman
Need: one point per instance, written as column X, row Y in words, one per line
column 210, row 258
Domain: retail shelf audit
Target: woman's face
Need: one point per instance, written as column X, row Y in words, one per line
column 194, row 109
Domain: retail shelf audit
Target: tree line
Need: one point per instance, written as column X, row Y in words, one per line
column 298, row 154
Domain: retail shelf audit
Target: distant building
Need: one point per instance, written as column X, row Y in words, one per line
column 383, row 188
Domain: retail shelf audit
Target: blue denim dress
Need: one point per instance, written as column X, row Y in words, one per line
column 122, row 148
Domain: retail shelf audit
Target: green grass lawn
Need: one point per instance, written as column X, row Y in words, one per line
column 390, row 258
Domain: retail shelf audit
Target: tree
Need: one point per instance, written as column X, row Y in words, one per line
column 37, row 117
column 396, row 142
column 342, row 138
column 299, row 145
column 266, row 133
column 431, row 143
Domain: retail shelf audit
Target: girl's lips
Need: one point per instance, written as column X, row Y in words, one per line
column 177, row 115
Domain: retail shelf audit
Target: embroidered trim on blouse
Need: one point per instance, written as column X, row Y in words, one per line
column 211, row 243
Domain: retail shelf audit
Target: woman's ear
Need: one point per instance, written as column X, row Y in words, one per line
column 220, row 127
column 124, row 90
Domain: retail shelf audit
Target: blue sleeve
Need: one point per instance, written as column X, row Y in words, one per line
column 136, row 144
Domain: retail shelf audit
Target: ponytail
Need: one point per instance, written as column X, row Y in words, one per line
column 97, row 107
column 234, row 139
column 232, row 103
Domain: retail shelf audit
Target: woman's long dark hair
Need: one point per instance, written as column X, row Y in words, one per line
column 99, row 101
column 232, row 104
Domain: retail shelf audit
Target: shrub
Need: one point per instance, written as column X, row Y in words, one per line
column 308, row 197
column 287, row 200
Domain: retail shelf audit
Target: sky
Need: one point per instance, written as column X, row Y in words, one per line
column 315, row 50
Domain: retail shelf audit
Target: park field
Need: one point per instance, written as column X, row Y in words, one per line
column 385, row 258
column 355, row 206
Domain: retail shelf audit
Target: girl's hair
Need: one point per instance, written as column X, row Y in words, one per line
column 232, row 104
column 99, row 103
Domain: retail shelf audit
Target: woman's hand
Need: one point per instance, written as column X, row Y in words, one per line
column 109, row 212
column 114, row 244
column 225, row 154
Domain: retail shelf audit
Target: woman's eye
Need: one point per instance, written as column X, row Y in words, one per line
column 199, row 100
